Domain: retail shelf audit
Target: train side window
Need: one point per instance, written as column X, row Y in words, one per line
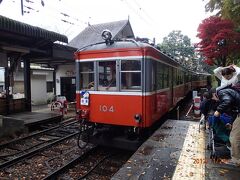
column 180, row 77
column 87, row 75
column 174, row 76
column 130, row 75
column 166, row 76
column 159, row 76
column 154, row 76
column 107, row 76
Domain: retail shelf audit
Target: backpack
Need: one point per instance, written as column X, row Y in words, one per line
column 224, row 118
column 236, row 87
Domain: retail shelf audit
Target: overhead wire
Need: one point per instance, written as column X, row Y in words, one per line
column 71, row 20
column 142, row 9
column 150, row 25
column 67, row 15
column 136, row 12
column 56, row 16
column 31, row 9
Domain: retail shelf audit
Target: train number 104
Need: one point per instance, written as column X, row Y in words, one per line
column 105, row 108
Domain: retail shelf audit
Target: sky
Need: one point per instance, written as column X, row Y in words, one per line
column 148, row 18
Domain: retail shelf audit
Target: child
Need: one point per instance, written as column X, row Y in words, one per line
column 205, row 106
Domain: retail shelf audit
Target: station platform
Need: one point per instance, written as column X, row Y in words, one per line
column 18, row 122
column 34, row 118
column 177, row 150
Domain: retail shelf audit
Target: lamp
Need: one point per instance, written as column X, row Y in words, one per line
column 107, row 36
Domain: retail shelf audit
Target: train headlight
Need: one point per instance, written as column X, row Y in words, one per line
column 107, row 35
column 137, row 118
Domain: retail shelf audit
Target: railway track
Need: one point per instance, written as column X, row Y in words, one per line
column 53, row 153
column 95, row 163
column 67, row 161
column 19, row 149
column 40, row 130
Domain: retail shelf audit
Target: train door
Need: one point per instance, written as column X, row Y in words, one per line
column 148, row 90
column 159, row 98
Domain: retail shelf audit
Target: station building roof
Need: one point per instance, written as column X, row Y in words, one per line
column 92, row 33
column 12, row 26
column 41, row 46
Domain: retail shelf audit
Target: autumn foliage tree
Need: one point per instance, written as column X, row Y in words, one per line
column 220, row 43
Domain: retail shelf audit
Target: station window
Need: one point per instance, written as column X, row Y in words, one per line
column 49, row 86
column 107, row 76
column 130, row 75
column 87, row 75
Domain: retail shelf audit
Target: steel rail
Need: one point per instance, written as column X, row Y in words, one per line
column 54, row 174
column 20, row 158
column 34, row 134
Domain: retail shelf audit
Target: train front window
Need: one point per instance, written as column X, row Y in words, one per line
column 130, row 75
column 87, row 75
column 107, row 76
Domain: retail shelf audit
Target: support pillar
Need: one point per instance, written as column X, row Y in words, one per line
column 27, row 84
column 54, row 81
column 7, row 84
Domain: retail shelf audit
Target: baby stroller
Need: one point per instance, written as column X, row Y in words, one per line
column 219, row 136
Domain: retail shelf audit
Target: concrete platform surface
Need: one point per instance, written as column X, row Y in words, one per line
column 18, row 122
column 177, row 150
column 32, row 118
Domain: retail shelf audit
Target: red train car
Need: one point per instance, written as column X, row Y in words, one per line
column 124, row 87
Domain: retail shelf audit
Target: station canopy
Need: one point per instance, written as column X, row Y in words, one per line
column 40, row 46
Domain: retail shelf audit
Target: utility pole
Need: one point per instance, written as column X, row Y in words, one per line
column 22, row 8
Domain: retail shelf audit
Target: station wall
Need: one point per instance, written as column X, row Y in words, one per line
column 38, row 89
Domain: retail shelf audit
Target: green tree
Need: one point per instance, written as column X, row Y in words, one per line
column 231, row 11
column 226, row 9
column 214, row 5
column 179, row 46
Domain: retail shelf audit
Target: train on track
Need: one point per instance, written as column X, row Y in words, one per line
column 124, row 87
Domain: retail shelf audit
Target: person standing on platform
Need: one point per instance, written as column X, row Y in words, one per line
column 207, row 107
column 228, row 75
column 229, row 102
column 206, row 104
